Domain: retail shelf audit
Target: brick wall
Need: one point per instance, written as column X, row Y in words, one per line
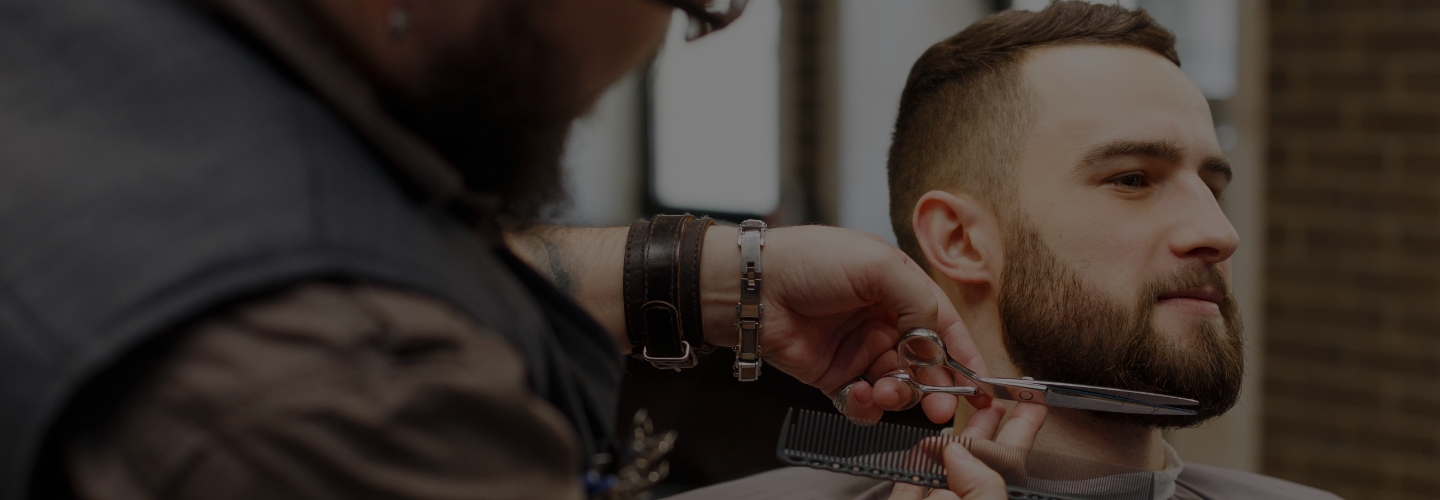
column 1352, row 372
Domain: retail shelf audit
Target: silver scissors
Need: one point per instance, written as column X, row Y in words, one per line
column 923, row 348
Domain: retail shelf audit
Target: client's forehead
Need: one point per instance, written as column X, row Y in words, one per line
column 1086, row 95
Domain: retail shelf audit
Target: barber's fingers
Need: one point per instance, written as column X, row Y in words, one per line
column 984, row 423
column 939, row 408
column 980, row 401
column 860, row 404
column 907, row 491
column 969, row 478
column 890, row 394
column 1024, row 424
column 860, row 346
column 886, row 363
column 894, row 395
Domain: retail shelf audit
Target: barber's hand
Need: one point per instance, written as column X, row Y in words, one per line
column 836, row 302
column 968, row 477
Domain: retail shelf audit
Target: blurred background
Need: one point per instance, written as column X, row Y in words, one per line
column 1328, row 109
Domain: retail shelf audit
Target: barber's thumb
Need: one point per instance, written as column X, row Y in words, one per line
column 969, row 478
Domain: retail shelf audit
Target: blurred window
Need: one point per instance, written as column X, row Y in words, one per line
column 715, row 117
column 1206, row 34
column 1040, row 4
column 1205, row 31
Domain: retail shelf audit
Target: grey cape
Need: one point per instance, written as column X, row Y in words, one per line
column 1196, row 482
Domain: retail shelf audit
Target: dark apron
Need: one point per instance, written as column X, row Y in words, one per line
column 153, row 166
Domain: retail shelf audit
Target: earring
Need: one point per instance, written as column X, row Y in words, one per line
column 399, row 21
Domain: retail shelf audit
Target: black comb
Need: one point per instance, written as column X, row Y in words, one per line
column 910, row 454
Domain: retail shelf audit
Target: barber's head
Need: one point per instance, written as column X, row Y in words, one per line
column 1060, row 175
column 495, row 84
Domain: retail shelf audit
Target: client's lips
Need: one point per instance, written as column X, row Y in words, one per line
column 1207, row 294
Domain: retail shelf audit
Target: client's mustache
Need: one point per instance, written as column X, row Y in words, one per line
column 1189, row 278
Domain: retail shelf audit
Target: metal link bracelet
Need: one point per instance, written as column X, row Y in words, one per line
column 749, row 309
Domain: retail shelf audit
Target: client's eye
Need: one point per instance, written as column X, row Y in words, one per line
column 1130, row 180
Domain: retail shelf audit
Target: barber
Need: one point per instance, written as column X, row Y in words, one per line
column 256, row 249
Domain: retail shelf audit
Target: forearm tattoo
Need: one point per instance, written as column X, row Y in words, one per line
column 559, row 274
column 538, row 248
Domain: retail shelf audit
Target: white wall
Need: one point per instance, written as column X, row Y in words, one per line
column 878, row 41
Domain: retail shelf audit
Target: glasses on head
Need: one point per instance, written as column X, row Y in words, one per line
column 707, row 16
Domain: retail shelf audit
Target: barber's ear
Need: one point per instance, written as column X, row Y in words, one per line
column 960, row 237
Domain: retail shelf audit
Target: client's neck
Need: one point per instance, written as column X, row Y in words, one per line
column 1079, row 434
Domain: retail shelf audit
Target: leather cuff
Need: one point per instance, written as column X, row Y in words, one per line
column 692, row 241
column 662, row 289
column 634, row 280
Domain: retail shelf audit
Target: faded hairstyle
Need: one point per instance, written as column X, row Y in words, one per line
column 965, row 111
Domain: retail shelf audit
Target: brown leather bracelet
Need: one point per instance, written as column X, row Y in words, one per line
column 688, row 282
column 661, row 312
column 634, row 280
column 662, row 273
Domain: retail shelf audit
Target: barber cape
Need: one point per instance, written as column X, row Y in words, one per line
column 159, row 160
column 1177, row 481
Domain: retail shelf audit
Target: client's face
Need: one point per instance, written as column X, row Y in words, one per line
column 1117, row 253
column 1060, row 327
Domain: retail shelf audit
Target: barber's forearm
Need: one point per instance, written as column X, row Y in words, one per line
column 589, row 265
column 720, row 284
column 586, row 263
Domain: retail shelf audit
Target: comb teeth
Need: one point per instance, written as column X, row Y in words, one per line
column 912, row 455
column 878, row 450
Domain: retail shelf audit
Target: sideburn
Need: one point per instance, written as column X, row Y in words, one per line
column 1057, row 327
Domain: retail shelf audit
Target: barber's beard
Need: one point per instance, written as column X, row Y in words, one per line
column 499, row 107
column 1058, row 327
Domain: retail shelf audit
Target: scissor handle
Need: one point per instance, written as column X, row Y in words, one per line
column 922, row 347
column 931, row 389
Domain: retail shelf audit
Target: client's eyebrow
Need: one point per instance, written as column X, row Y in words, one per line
column 1217, row 165
column 1162, row 150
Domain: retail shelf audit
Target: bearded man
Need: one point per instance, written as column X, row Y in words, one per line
column 1060, row 177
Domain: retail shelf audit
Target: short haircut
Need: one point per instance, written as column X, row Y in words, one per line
column 964, row 112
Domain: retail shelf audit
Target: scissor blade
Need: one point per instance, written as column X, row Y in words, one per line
column 1144, row 397
column 1070, row 398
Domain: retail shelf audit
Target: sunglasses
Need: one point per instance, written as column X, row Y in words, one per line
column 705, row 15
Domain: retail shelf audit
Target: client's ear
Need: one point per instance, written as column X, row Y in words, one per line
column 960, row 237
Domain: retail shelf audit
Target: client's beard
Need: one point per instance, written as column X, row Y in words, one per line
column 499, row 107
column 1057, row 327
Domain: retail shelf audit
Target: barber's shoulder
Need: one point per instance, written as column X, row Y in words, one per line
column 1221, row 483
